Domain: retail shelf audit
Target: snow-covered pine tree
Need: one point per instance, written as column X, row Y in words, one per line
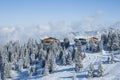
column 34, row 69
column 69, row 58
column 54, row 48
column 21, row 56
column 46, row 69
column 32, row 58
column 63, row 59
column 84, row 55
column 30, row 71
column 2, row 72
column 100, row 46
column 7, row 68
column 42, row 57
column 78, row 57
column 2, row 77
column 66, row 43
column 110, row 41
column 100, row 70
column 104, row 38
column 52, row 60
column 74, row 54
column 108, row 59
column 26, row 60
column 91, row 70
column 20, row 64
column 112, row 59
column 78, row 65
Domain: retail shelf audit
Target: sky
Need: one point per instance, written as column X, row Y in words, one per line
column 24, row 19
column 32, row 12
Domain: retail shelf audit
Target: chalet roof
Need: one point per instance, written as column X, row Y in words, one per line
column 49, row 40
column 93, row 39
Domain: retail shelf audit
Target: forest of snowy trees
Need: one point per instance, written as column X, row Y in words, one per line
column 35, row 55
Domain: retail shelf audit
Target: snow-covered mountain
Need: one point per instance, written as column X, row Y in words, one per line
column 59, row 30
column 62, row 72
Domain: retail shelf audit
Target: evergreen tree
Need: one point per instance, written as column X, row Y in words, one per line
column 84, row 55
column 63, row 59
column 69, row 58
column 52, row 60
column 42, row 57
column 20, row 64
column 26, row 60
column 1, row 65
column 66, row 43
column 32, row 58
column 112, row 59
column 7, row 69
column 100, row 70
column 78, row 57
column 108, row 59
column 34, row 70
column 46, row 70
column 100, row 46
column 78, row 65
column 30, row 71
column 91, row 70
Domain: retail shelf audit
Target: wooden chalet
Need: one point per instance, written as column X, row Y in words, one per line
column 50, row 40
column 93, row 39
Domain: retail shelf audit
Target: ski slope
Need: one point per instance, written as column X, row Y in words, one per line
column 111, row 71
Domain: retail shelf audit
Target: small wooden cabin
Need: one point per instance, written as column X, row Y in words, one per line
column 82, row 40
column 93, row 39
column 50, row 40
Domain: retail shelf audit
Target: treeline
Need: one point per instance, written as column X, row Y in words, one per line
column 35, row 55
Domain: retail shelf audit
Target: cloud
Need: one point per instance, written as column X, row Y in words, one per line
column 52, row 29
column 89, row 22
column 7, row 30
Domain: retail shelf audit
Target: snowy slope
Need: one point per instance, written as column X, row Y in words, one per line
column 111, row 71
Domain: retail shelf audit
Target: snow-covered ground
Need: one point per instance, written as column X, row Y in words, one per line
column 111, row 71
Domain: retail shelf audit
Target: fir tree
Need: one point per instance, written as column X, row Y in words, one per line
column 78, row 57
column 63, row 59
column 69, row 58
column 46, row 69
column 34, row 70
column 100, row 70
column 91, row 70
column 112, row 59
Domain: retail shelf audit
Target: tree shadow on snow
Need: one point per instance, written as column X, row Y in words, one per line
column 62, row 70
column 77, row 76
column 66, row 77
column 81, row 76
column 36, row 77
column 22, row 76
column 106, row 62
